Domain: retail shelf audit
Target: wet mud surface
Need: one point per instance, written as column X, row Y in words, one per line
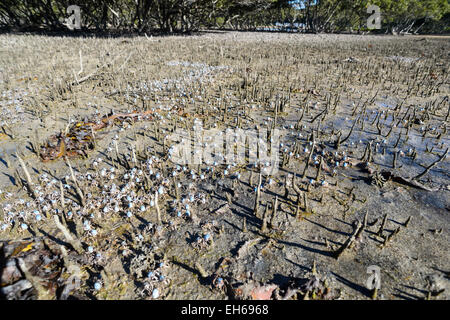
column 363, row 176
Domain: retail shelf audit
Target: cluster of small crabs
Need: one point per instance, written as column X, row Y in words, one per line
column 12, row 109
column 194, row 74
column 110, row 190
column 107, row 191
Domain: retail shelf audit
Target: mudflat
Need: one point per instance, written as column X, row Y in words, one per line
column 352, row 203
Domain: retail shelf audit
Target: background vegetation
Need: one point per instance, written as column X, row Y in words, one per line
column 398, row 16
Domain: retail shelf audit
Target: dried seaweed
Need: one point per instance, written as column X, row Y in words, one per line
column 79, row 138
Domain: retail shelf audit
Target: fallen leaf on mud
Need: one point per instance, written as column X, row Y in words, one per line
column 253, row 290
column 22, row 247
column 43, row 266
column 263, row 292
column 28, row 247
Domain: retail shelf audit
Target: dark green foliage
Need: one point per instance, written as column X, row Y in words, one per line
column 428, row 16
